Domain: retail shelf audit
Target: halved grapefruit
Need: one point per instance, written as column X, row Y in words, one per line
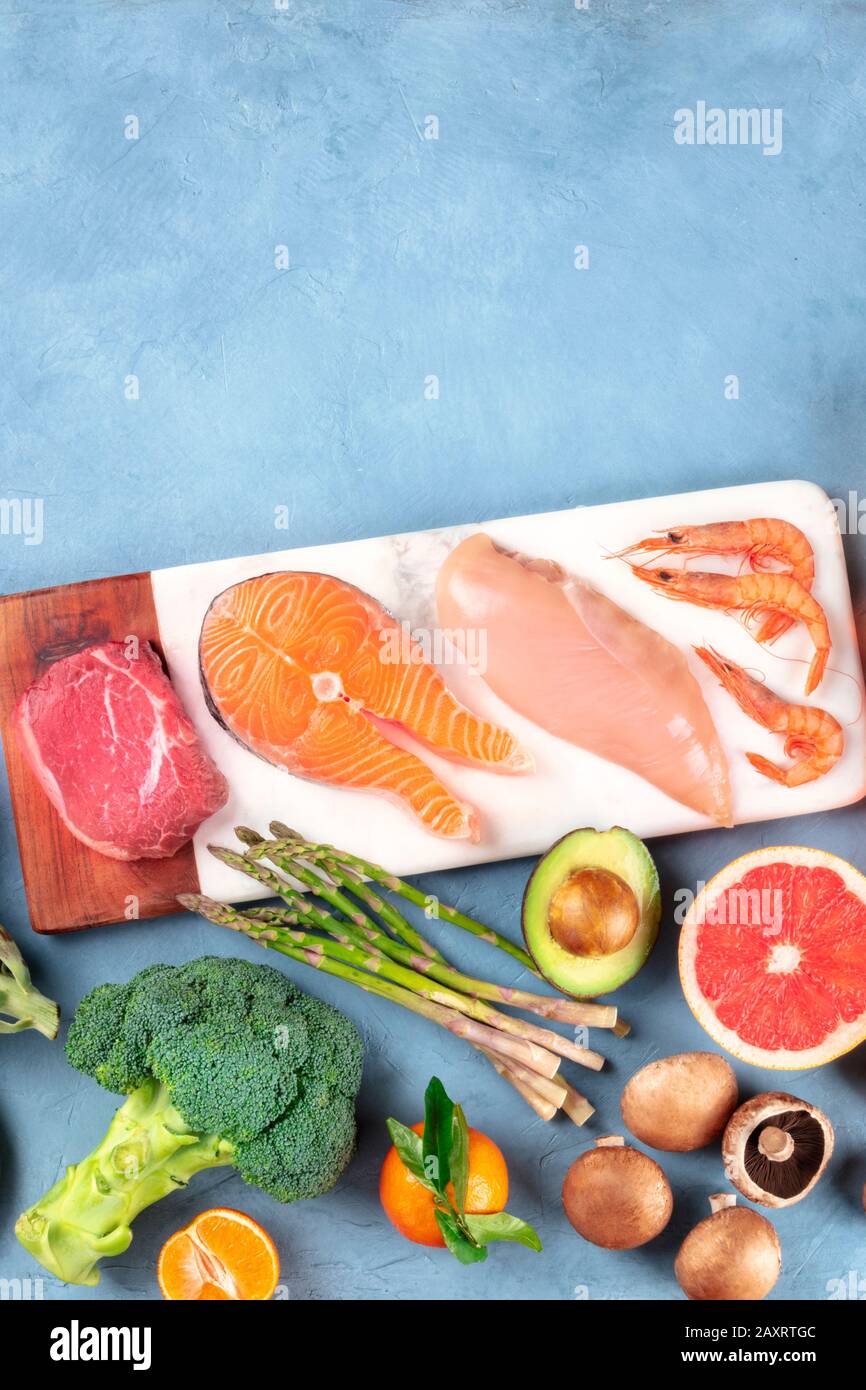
column 773, row 957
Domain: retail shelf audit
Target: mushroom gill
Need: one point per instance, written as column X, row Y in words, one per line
column 775, row 1148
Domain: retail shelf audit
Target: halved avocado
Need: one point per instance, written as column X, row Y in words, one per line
column 591, row 911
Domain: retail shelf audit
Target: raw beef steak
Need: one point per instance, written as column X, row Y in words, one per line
column 117, row 755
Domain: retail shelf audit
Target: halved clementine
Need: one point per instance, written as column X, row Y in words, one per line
column 221, row 1255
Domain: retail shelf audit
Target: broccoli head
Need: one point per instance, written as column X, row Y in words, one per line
column 223, row 1062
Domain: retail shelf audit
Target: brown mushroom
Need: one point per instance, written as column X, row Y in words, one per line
column 616, row 1196
column 775, row 1148
column 734, row 1254
column 680, row 1103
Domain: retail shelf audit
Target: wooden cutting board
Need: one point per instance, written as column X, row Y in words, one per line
column 69, row 886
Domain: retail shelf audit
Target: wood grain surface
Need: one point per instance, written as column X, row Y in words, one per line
column 69, row 886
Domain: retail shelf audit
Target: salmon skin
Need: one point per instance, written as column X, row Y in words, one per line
column 300, row 666
column 567, row 657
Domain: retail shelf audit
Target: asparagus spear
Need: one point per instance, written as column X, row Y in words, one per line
column 469, row 1028
column 332, row 877
column 382, row 945
column 413, row 895
column 502, row 1065
column 350, row 866
column 576, row 1106
column 544, row 1109
column 533, row 1050
column 390, row 916
column 564, row 1010
column 557, row 1093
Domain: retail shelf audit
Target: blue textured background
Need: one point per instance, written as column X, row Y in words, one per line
column 304, row 387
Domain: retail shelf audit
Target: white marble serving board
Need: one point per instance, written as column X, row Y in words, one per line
column 570, row 787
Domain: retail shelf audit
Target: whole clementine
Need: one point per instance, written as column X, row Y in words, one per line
column 409, row 1204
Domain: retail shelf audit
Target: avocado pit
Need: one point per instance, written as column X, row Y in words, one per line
column 593, row 912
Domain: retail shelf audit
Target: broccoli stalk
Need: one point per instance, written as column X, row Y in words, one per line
column 223, row 1063
column 20, row 1001
column 148, row 1151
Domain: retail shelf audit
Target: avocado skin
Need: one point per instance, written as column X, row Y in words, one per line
column 622, row 853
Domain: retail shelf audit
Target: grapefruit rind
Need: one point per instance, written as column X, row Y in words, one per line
column 843, row 1039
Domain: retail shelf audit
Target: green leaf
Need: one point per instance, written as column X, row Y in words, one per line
column 466, row 1251
column 438, row 1130
column 409, row 1147
column 460, row 1156
column 502, row 1226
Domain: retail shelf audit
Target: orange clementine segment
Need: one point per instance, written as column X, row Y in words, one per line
column 409, row 1205
column 221, row 1255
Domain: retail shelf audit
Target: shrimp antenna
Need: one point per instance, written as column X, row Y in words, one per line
column 638, row 547
column 834, row 670
column 848, row 676
column 753, row 671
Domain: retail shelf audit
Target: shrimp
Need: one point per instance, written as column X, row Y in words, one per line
column 763, row 539
column 813, row 738
column 753, row 595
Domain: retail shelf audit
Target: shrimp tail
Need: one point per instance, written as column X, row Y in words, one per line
column 816, row 669
column 776, row 774
column 808, row 767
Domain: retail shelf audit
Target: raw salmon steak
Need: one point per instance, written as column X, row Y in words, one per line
column 568, row 658
column 301, row 668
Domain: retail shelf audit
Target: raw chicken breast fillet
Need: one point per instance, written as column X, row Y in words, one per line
column 565, row 656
